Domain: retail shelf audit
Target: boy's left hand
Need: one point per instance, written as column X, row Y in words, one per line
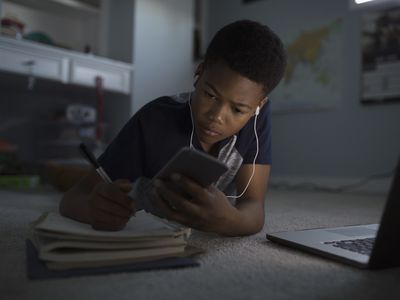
column 184, row 201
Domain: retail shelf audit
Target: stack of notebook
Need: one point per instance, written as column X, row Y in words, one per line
column 65, row 244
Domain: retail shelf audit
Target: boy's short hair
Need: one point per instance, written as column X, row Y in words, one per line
column 251, row 49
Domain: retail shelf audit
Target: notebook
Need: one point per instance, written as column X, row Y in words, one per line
column 64, row 244
column 37, row 269
column 366, row 246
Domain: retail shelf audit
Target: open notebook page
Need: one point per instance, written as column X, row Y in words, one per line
column 143, row 224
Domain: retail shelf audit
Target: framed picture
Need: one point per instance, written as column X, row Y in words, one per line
column 381, row 57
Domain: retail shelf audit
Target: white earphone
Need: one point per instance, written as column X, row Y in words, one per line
column 255, row 156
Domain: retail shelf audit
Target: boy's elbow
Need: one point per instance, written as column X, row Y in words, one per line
column 259, row 225
column 253, row 228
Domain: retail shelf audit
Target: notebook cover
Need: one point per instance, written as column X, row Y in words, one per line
column 37, row 269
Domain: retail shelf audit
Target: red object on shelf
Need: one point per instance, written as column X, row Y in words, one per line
column 100, row 108
column 6, row 22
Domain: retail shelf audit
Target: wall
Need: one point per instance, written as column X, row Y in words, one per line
column 120, row 29
column 348, row 141
column 162, row 49
column 116, row 43
column 157, row 37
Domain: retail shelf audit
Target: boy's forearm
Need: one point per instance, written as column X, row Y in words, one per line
column 245, row 219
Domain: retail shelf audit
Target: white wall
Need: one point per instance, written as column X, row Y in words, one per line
column 120, row 29
column 162, row 49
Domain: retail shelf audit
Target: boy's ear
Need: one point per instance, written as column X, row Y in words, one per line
column 199, row 69
column 198, row 72
column 263, row 101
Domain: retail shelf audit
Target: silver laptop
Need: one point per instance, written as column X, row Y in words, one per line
column 367, row 246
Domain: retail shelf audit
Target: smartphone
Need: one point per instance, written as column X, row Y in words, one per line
column 198, row 166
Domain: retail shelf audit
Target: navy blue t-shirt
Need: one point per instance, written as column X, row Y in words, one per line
column 163, row 126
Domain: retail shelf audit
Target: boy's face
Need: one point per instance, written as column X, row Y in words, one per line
column 223, row 102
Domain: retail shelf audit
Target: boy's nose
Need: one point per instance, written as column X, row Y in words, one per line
column 215, row 114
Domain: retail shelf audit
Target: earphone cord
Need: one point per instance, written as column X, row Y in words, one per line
column 254, row 162
column 255, row 156
column 191, row 118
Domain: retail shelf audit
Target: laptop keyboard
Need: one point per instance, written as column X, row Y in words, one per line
column 362, row 246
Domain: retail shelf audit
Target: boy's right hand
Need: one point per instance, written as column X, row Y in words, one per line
column 109, row 205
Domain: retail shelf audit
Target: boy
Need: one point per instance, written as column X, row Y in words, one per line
column 228, row 115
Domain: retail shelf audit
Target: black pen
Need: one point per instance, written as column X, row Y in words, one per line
column 93, row 161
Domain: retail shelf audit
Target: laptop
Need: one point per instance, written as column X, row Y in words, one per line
column 369, row 246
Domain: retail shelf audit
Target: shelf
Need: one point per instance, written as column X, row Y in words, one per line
column 70, row 67
column 41, row 64
column 71, row 8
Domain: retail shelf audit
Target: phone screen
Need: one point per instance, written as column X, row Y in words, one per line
column 199, row 166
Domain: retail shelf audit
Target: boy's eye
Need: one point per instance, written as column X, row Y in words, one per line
column 209, row 95
column 237, row 110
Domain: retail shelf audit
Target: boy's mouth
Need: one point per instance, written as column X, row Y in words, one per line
column 209, row 131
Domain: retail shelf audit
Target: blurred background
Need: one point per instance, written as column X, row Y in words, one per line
column 73, row 71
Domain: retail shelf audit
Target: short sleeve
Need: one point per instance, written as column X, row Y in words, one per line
column 124, row 157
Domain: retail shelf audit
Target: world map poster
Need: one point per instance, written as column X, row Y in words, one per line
column 313, row 75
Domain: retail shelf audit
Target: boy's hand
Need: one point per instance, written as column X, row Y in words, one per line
column 110, row 207
column 184, row 201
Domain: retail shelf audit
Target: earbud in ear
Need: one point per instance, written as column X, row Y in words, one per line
column 257, row 110
column 195, row 79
